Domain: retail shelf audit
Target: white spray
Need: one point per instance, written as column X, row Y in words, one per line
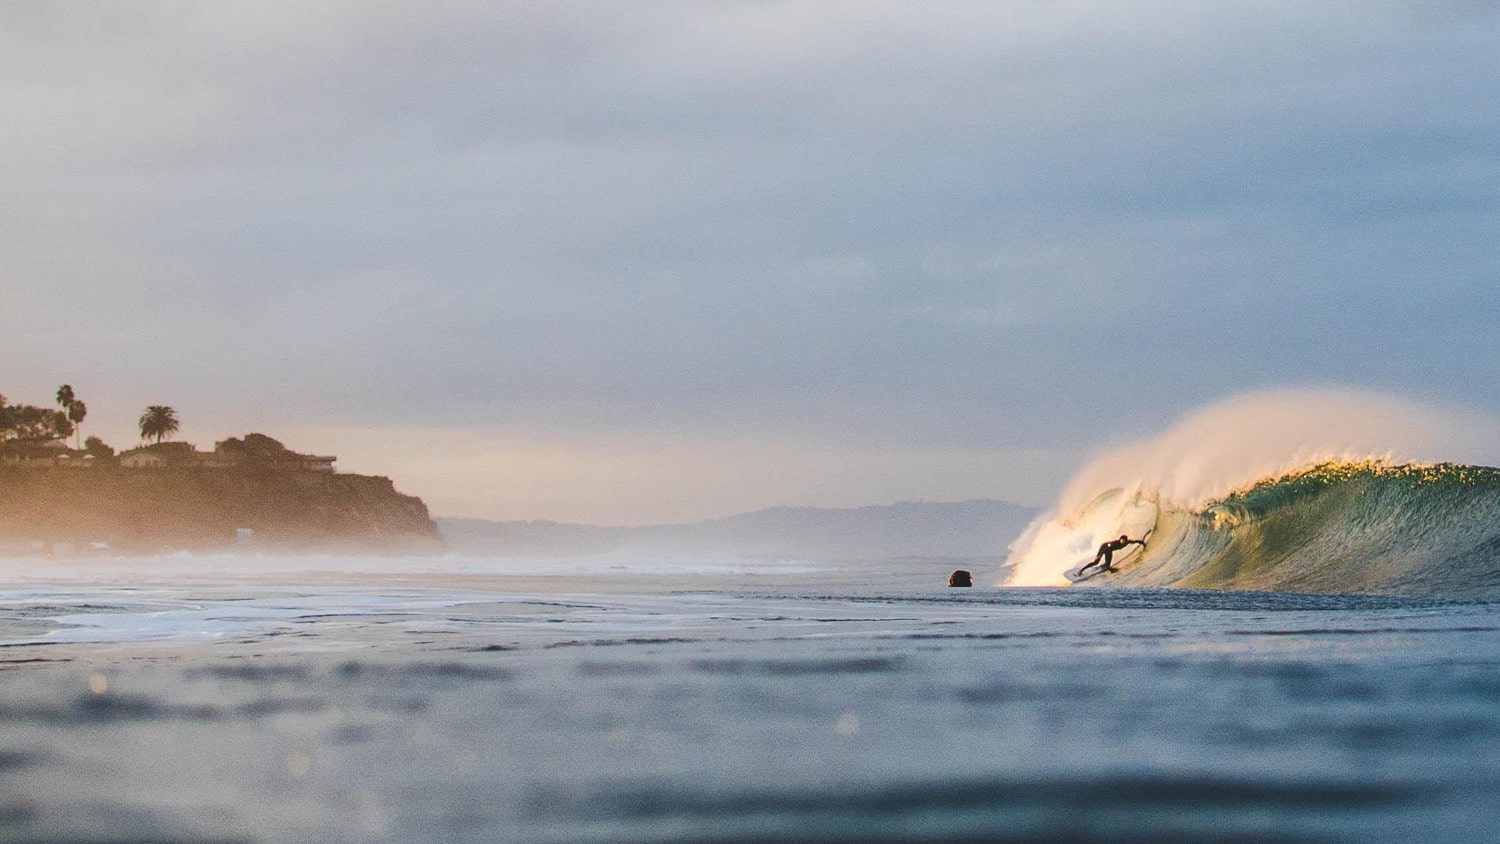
column 1233, row 444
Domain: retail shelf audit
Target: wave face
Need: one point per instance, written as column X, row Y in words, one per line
column 1357, row 527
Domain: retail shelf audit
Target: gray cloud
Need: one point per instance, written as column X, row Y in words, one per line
column 1020, row 225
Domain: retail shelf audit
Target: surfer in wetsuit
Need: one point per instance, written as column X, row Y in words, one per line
column 1107, row 551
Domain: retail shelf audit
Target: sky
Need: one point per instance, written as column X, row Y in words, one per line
column 644, row 262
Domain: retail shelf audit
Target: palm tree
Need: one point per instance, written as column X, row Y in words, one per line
column 159, row 421
column 76, row 410
column 75, row 414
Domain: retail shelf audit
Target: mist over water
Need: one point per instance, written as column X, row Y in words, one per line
column 1238, row 441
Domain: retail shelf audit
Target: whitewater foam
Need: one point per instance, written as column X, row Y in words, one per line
column 1340, row 447
column 1236, row 442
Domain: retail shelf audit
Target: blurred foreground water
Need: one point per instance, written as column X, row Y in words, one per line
column 442, row 700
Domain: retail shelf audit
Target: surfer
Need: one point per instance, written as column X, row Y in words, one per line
column 1107, row 551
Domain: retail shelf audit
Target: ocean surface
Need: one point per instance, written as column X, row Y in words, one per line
column 198, row 699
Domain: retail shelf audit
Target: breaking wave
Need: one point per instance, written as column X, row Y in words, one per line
column 1323, row 518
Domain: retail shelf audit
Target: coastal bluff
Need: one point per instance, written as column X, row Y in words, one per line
column 199, row 501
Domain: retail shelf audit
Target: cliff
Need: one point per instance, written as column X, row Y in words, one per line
column 195, row 508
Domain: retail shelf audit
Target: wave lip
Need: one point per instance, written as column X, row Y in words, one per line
column 1366, row 526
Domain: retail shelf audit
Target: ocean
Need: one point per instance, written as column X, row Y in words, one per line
column 1314, row 656
column 446, row 699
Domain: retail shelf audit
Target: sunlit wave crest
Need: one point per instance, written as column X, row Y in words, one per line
column 1313, row 491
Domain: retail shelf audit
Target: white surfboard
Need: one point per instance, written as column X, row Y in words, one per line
column 1121, row 558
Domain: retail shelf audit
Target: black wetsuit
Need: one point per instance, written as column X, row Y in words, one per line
column 1107, row 552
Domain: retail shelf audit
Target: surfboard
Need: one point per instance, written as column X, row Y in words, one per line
column 1120, row 559
column 1077, row 575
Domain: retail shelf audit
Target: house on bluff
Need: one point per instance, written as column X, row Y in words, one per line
column 48, row 453
column 257, row 450
column 30, row 453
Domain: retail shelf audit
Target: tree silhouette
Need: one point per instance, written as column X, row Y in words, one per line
column 30, row 424
column 75, row 409
column 158, row 422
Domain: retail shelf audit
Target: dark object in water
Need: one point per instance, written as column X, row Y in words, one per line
column 960, row 577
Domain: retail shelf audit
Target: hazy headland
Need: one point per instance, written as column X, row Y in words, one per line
column 251, row 493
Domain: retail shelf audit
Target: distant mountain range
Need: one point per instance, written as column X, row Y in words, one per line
column 908, row 529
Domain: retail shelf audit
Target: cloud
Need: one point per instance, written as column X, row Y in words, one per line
column 929, row 227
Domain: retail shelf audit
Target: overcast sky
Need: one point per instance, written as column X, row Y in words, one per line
column 637, row 262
